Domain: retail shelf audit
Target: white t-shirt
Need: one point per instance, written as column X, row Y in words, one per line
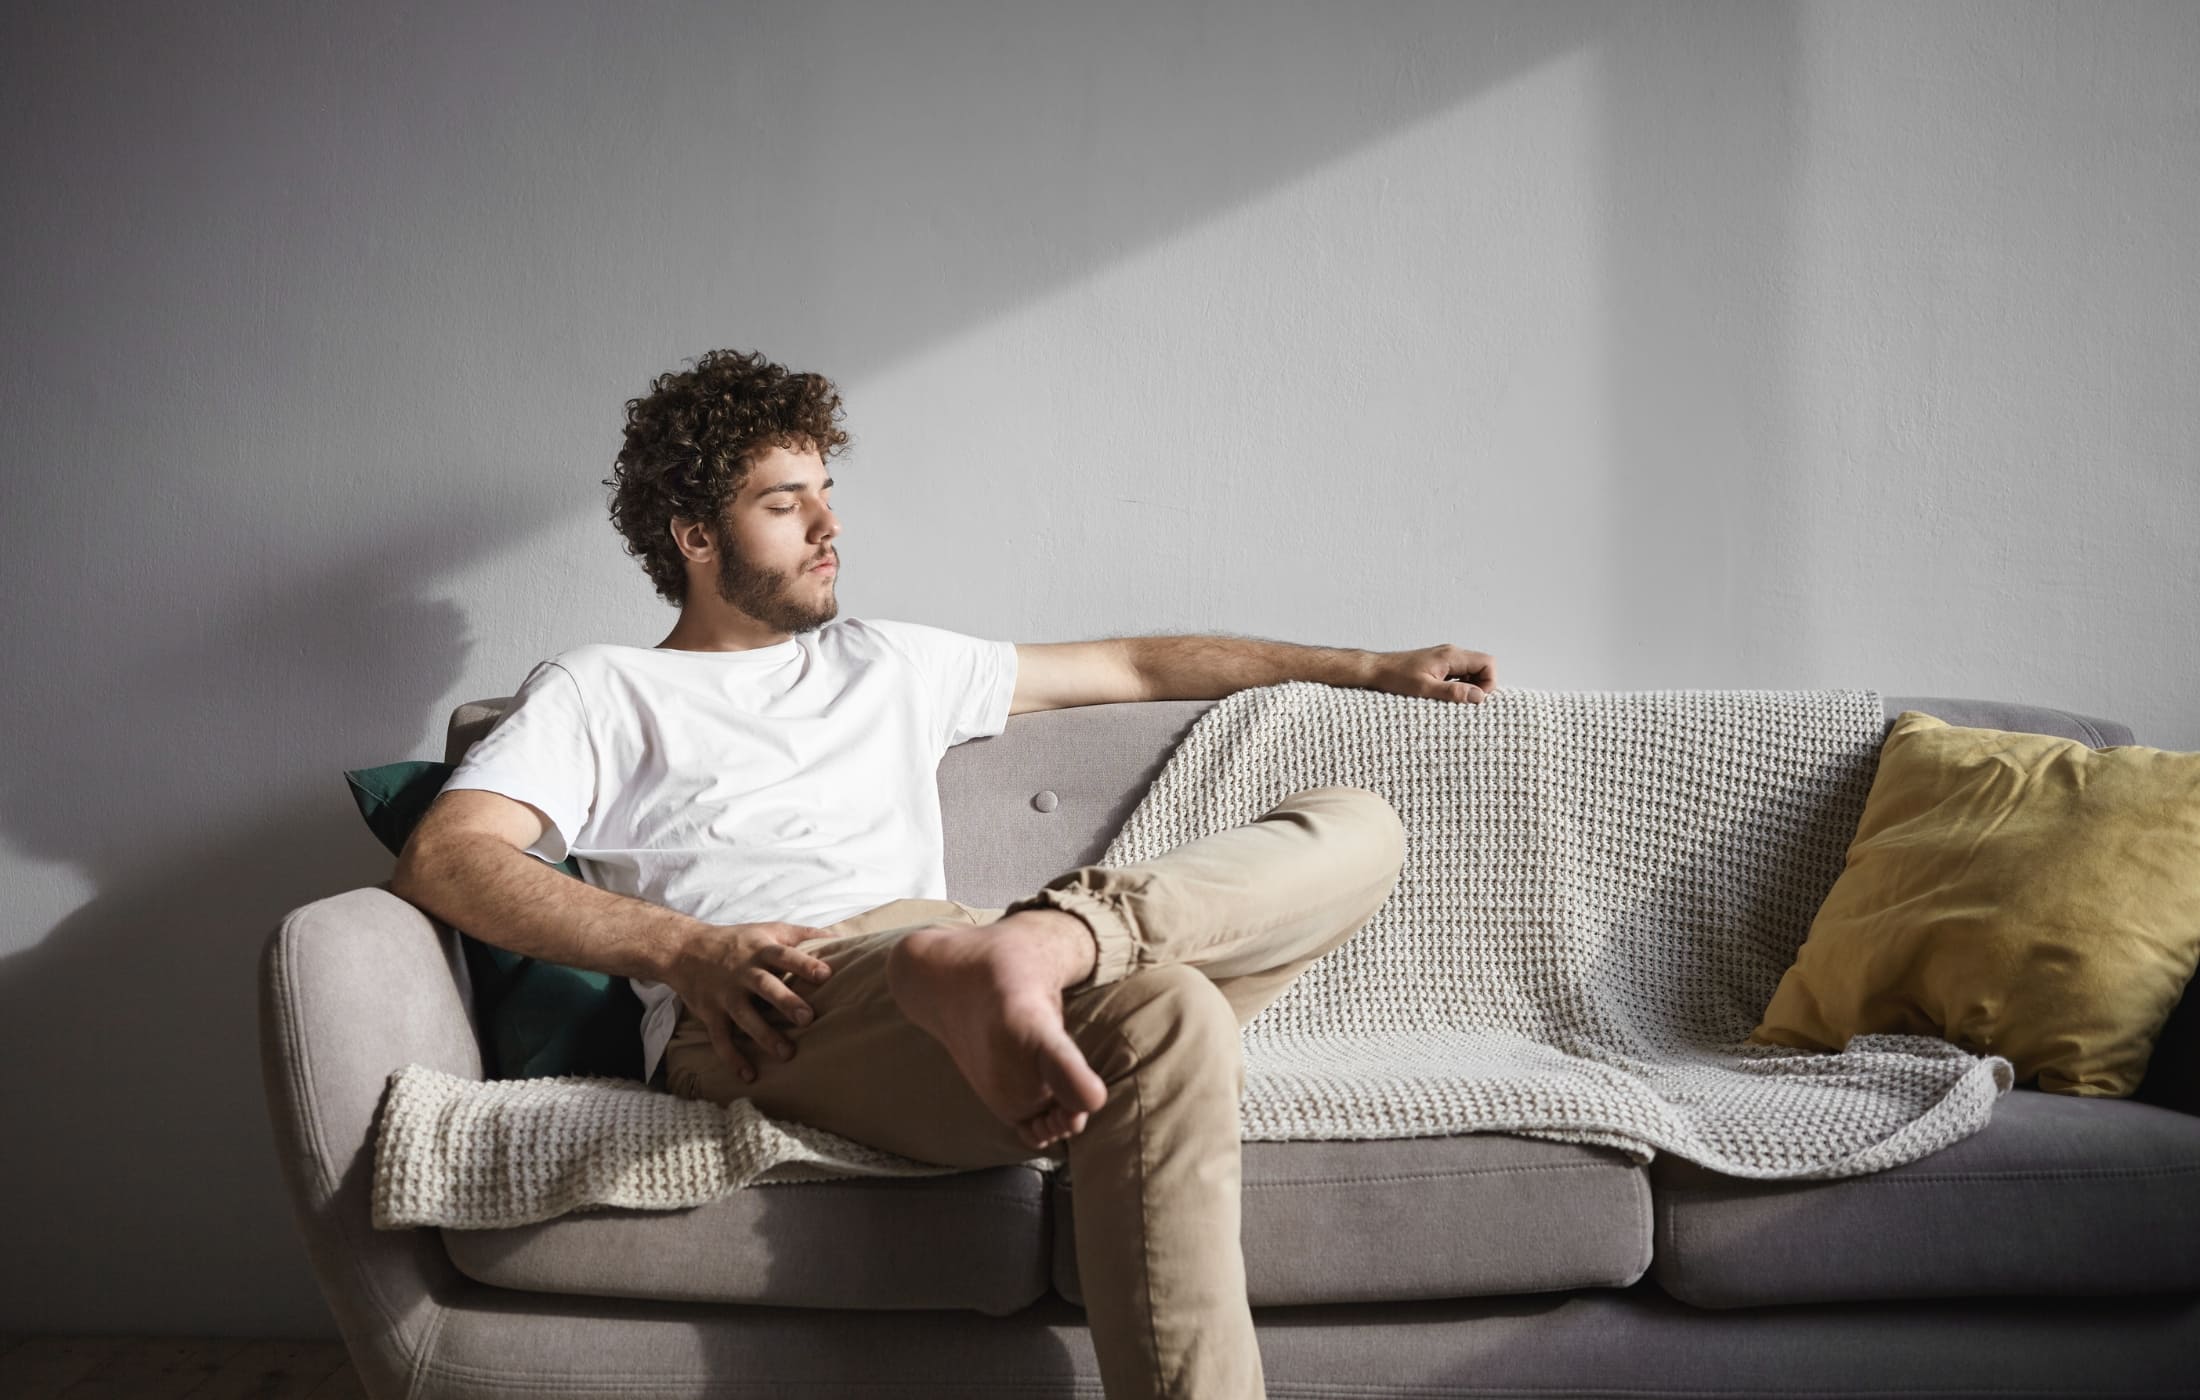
column 796, row 782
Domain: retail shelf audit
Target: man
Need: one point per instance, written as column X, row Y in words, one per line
column 753, row 804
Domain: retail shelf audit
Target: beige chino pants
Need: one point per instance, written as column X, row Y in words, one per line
column 1192, row 945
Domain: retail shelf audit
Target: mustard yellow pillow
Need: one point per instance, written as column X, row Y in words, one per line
column 2015, row 894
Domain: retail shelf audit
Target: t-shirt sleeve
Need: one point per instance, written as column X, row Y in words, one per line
column 539, row 753
column 971, row 680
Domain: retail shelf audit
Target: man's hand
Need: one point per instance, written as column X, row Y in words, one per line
column 1429, row 673
column 721, row 975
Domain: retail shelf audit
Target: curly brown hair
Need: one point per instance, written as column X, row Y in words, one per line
column 691, row 441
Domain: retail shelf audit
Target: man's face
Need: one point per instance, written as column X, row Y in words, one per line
column 774, row 533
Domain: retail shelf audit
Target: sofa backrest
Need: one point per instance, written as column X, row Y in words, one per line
column 1048, row 793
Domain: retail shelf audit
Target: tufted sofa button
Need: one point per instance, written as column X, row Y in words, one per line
column 1046, row 801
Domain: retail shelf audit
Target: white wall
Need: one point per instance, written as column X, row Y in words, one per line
column 1672, row 346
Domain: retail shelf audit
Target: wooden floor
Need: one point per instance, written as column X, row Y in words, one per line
column 161, row 1368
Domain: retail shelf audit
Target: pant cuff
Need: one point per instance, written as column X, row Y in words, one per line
column 1111, row 931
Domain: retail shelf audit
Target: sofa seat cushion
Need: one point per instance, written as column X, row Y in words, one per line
column 2056, row 1195
column 975, row 1239
column 1463, row 1216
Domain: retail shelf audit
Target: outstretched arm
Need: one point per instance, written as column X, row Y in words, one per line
column 1057, row 675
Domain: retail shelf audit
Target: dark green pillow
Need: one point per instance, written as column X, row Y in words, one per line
column 535, row 1018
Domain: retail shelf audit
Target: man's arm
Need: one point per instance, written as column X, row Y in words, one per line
column 1056, row 675
column 1211, row 667
column 467, row 864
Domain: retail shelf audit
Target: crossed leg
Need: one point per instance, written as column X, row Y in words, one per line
column 1187, row 948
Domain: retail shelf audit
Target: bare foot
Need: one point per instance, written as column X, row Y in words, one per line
column 992, row 994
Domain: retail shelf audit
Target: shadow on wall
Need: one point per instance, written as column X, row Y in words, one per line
column 136, row 1012
column 220, row 201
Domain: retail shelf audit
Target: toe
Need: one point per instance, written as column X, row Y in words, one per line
column 1056, row 1124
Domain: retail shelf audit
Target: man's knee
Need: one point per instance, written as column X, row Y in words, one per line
column 1370, row 816
column 1389, row 827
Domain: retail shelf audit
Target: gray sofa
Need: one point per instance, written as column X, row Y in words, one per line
column 2055, row 1252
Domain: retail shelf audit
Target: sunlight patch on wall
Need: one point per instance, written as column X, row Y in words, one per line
column 1351, row 410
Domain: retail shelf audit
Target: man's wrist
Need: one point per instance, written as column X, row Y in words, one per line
column 679, row 945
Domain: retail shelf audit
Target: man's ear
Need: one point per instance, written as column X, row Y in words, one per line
column 692, row 540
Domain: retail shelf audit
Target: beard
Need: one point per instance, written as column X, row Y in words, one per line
column 775, row 599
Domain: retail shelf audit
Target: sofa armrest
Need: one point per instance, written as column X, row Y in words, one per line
column 351, row 989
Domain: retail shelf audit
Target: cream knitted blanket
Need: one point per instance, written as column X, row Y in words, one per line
column 1601, row 891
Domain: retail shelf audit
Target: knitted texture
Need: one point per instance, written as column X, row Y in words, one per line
column 479, row 1154
column 1601, row 891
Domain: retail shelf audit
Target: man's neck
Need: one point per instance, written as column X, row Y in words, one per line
column 723, row 628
